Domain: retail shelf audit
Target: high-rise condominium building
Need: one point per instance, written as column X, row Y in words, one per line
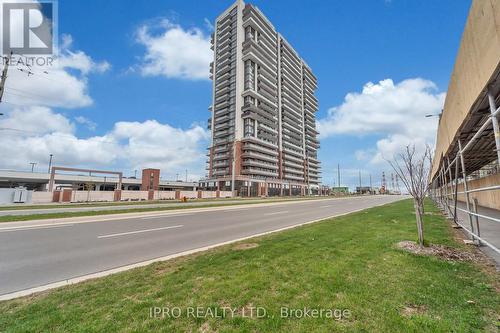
column 264, row 138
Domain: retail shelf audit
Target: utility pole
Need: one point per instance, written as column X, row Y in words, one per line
column 50, row 162
column 3, row 79
column 384, row 183
column 135, row 174
column 359, row 180
column 32, row 166
column 371, row 186
column 338, row 174
column 177, row 177
column 186, row 176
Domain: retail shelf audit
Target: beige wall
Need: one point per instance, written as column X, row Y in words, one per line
column 208, row 194
column 41, row 197
column 478, row 58
column 225, row 194
column 189, row 194
column 164, row 195
column 82, row 196
column 134, row 195
column 488, row 199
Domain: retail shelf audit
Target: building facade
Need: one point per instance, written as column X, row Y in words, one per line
column 263, row 123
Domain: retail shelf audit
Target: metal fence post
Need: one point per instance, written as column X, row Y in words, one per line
column 466, row 188
column 494, row 120
column 447, row 181
column 474, row 207
column 455, row 219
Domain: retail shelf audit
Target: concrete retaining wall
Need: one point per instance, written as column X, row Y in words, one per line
column 189, row 194
column 41, row 197
column 164, row 195
column 83, row 196
column 134, row 195
column 225, row 194
column 208, row 194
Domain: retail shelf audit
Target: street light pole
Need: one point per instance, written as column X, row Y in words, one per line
column 50, row 162
column 32, row 166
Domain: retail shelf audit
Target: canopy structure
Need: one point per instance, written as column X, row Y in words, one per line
column 473, row 84
column 468, row 137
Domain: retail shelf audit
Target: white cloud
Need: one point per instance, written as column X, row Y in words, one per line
column 36, row 120
column 86, row 122
column 128, row 146
column 64, row 83
column 174, row 52
column 395, row 111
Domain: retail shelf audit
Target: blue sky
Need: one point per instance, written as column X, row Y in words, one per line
column 346, row 43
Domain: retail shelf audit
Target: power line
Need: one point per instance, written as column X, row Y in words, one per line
column 25, row 92
column 22, row 95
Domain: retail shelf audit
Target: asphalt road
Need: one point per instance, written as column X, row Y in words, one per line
column 37, row 253
column 70, row 209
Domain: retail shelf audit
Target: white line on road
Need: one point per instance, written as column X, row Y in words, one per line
column 163, row 216
column 41, row 226
column 139, row 231
column 275, row 213
column 325, row 206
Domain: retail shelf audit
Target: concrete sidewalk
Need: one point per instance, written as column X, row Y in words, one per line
column 489, row 230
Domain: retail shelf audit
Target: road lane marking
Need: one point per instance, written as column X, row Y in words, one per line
column 35, row 227
column 275, row 213
column 163, row 216
column 325, row 206
column 139, row 231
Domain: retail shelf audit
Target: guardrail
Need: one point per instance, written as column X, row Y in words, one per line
column 444, row 188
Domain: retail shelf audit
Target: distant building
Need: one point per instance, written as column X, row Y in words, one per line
column 84, row 181
column 363, row 190
column 340, row 189
column 263, row 121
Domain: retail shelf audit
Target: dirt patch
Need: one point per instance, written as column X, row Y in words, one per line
column 432, row 213
column 205, row 328
column 245, row 246
column 441, row 251
column 412, row 310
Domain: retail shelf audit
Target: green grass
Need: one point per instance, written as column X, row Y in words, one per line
column 349, row 262
column 111, row 211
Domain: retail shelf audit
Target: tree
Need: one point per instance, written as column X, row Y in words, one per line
column 414, row 169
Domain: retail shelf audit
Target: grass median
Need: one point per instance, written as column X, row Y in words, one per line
column 349, row 263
